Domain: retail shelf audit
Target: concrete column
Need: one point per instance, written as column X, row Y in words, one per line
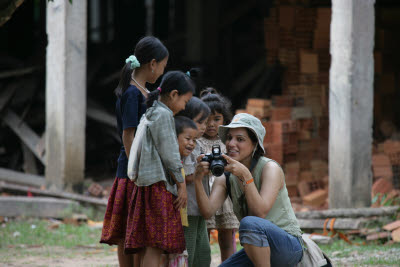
column 66, row 93
column 351, row 103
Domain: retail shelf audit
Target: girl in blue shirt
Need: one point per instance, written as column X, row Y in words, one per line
column 146, row 65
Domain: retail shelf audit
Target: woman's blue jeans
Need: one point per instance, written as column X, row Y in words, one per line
column 286, row 250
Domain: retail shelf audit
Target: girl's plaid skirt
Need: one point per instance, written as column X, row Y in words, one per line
column 114, row 226
column 153, row 221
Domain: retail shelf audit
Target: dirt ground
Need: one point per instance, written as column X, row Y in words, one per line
column 88, row 256
column 62, row 257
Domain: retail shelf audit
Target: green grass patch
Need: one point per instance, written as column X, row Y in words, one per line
column 342, row 249
column 36, row 232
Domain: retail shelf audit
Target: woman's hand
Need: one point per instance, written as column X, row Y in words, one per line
column 181, row 200
column 202, row 168
column 236, row 168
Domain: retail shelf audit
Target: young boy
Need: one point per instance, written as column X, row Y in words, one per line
column 186, row 131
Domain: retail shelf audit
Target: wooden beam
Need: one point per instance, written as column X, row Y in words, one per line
column 18, row 72
column 7, row 95
column 7, row 11
column 348, row 213
column 41, row 145
column 42, row 207
column 21, row 178
column 102, row 116
column 29, row 165
column 340, row 224
column 24, row 132
column 57, row 194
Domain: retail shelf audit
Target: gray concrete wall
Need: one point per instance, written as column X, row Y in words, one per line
column 351, row 103
column 66, row 93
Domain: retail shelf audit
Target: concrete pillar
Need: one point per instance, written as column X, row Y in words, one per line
column 66, row 93
column 351, row 103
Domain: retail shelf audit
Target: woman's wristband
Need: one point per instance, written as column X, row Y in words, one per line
column 248, row 181
column 244, row 182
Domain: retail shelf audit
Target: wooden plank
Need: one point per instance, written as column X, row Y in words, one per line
column 340, row 224
column 18, row 72
column 23, row 131
column 41, row 145
column 376, row 236
column 29, row 165
column 7, row 95
column 392, row 226
column 21, row 178
column 57, row 194
column 42, row 207
column 102, row 116
column 348, row 213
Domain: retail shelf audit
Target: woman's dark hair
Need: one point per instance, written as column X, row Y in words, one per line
column 194, row 107
column 259, row 152
column 182, row 123
column 217, row 103
column 147, row 49
column 172, row 80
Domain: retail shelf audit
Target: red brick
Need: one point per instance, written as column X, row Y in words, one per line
column 257, row 102
column 305, row 124
column 308, row 62
column 259, row 112
column 292, row 167
column 304, row 135
column 283, row 101
column 292, row 191
column 382, row 172
column 316, row 198
column 287, row 17
column 392, row 149
column 382, row 186
column 392, row 226
column 376, row 236
column 396, row 235
column 380, row 160
column 303, row 188
column 290, row 149
column 281, row 114
column 274, row 151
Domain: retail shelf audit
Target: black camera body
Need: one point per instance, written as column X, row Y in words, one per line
column 217, row 162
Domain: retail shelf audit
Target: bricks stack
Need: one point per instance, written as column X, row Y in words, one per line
column 386, row 165
column 290, row 131
column 297, row 35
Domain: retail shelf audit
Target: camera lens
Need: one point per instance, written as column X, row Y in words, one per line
column 217, row 167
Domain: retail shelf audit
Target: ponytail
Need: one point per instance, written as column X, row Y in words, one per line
column 151, row 97
column 125, row 80
column 147, row 49
column 172, row 80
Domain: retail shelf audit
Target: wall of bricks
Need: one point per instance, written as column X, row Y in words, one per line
column 297, row 34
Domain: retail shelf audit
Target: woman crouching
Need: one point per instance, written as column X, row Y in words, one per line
column 269, row 231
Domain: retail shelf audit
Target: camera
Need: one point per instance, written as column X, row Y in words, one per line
column 217, row 162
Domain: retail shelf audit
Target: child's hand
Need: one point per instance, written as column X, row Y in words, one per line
column 181, row 200
column 202, row 168
column 189, row 179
